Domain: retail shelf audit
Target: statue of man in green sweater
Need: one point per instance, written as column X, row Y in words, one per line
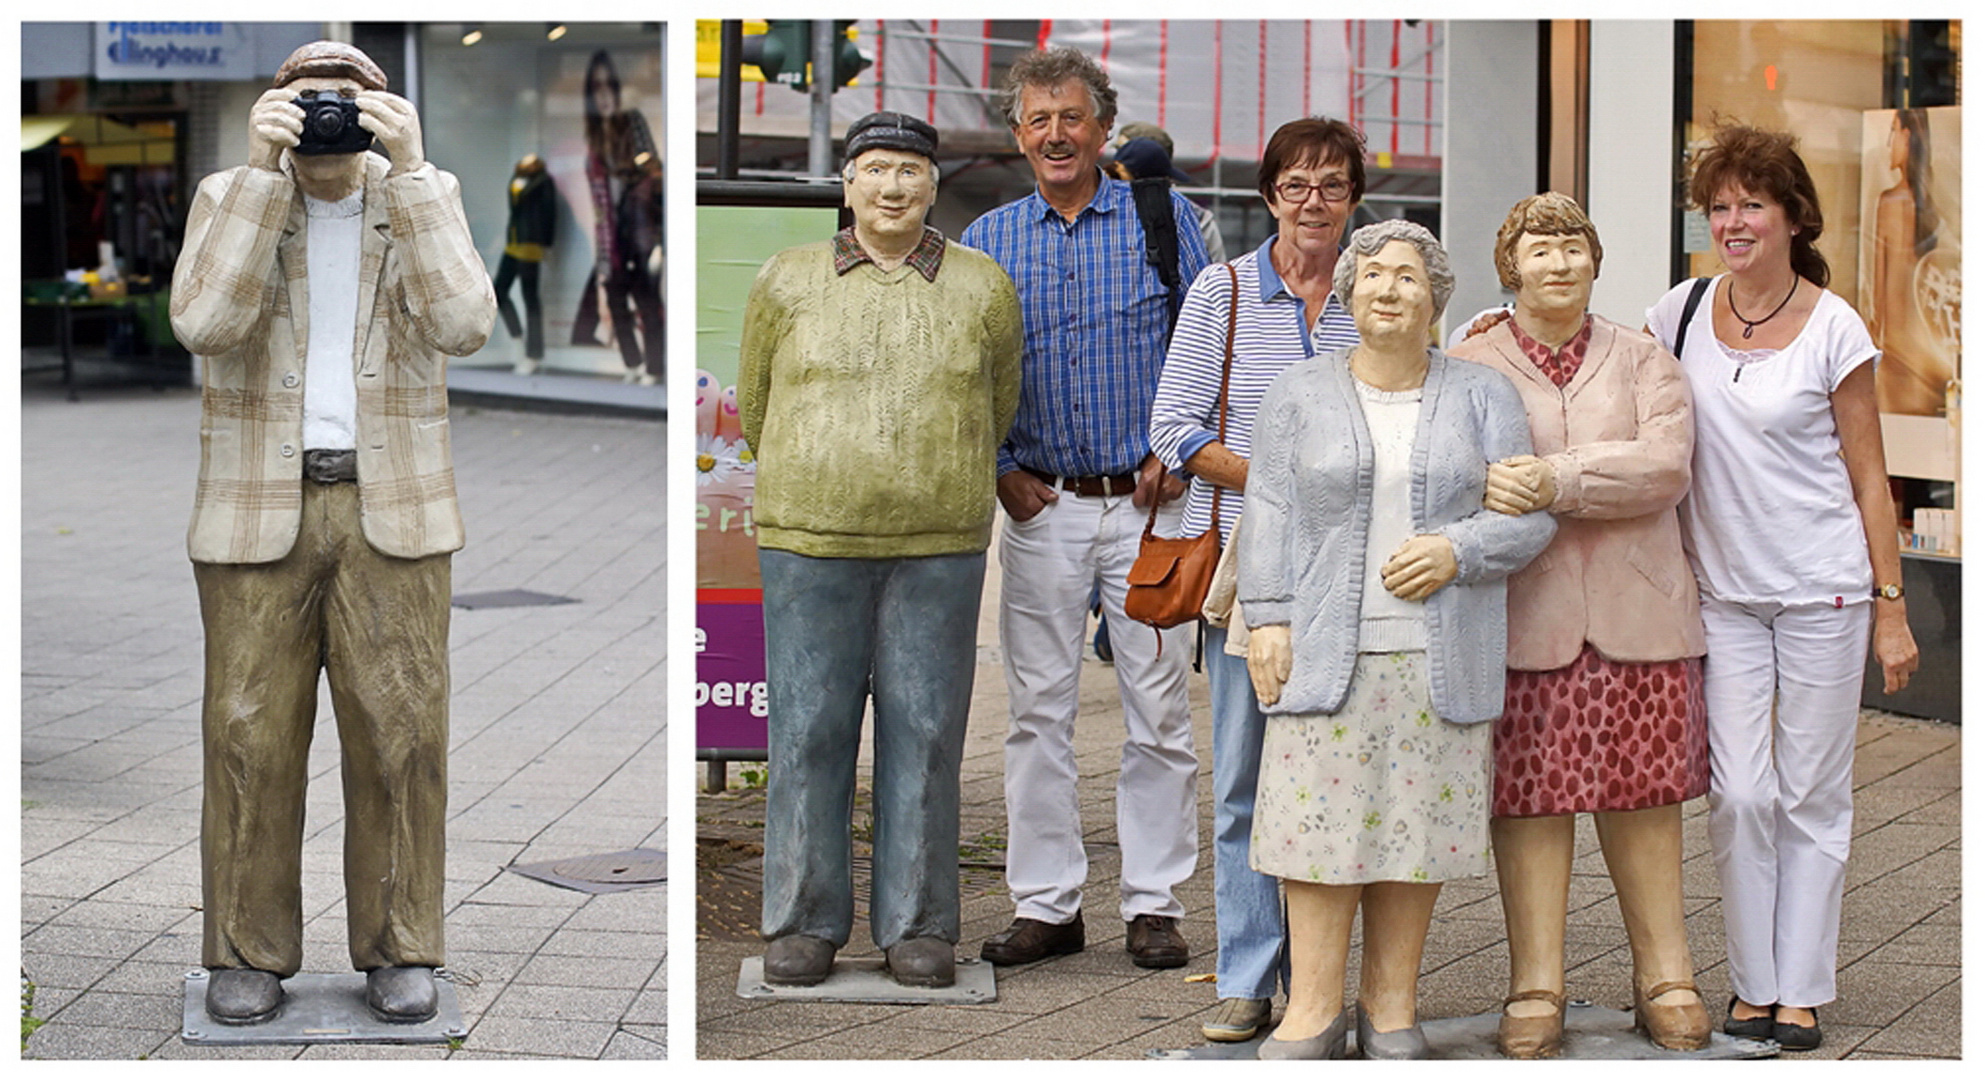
column 879, row 373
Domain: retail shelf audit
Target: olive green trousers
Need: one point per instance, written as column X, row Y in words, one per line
column 377, row 626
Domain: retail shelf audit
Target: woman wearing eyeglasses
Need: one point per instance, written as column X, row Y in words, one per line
column 1312, row 176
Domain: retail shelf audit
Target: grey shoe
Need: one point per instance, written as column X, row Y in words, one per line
column 243, row 995
column 401, row 995
column 1326, row 1045
column 1236, row 1020
column 924, row 961
column 798, row 960
column 1407, row 1044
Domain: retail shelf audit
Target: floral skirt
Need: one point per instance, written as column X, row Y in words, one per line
column 1599, row 735
column 1381, row 790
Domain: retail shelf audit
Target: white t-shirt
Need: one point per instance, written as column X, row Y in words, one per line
column 330, row 395
column 1770, row 514
column 1385, row 622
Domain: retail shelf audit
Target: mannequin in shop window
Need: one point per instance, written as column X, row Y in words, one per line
column 533, row 229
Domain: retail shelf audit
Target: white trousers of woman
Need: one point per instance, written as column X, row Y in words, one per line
column 1781, row 791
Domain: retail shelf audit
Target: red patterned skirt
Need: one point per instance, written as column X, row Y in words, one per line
column 1600, row 735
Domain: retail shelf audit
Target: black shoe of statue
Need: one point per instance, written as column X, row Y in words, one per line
column 243, row 995
column 798, row 960
column 924, row 961
column 401, row 995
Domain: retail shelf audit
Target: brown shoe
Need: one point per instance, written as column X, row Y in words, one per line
column 1028, row 940
column 1671, row 1027
column 1153, row 941
column 1528, row 1037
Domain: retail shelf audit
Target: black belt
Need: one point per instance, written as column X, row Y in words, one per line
column 330, row 466
column 1122, row 484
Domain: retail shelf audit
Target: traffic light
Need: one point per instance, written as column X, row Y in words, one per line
column 781, row 53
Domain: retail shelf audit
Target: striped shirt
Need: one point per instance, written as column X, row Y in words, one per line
column 1094, row 314
column 1268, row 337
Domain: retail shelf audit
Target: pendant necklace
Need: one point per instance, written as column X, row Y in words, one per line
column 1753, row 324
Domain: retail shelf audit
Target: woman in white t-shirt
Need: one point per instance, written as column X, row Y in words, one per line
column 1791, row 534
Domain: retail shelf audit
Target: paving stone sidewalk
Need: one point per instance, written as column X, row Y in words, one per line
column 1900, row 993
column 557, row 735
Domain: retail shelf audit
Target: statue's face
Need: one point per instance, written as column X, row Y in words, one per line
column 1554, row 273
column 891, row 192
column 1391, row 295
column 1059, row 133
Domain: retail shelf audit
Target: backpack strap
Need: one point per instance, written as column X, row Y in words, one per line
column 1689, row 313
column 1153, row 198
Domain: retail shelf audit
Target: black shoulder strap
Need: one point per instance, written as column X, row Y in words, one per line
column 1153, row 197
column 1689, row 313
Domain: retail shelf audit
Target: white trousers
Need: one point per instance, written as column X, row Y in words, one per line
column 1047, row 565
column 1781, row 790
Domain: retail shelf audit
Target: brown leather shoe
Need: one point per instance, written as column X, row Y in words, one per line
column 1153, row 941
column 1028, row 940
column 1671, row 1027
column 1528, row 1037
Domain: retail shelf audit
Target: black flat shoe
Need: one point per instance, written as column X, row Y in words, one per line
column 1796, row 1036
column 1757, row 1027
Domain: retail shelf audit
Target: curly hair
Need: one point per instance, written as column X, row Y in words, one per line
column 1367, row 242
column 1316, row 141
column 1764, row 163
column 1053, row 67
column 1548, row 214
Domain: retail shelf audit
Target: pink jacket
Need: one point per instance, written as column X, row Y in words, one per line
column 1618, row 438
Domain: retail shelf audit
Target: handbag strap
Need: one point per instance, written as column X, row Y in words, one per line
column 1226, row 372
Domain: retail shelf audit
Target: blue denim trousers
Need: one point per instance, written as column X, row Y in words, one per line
column 1247, row 905
column 839, row 632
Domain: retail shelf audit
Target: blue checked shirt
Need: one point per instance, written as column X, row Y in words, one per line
column 1094, row 315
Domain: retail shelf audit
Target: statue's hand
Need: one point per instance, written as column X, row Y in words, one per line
column 392, row 120
column 1422, row 565
column 1519, row 485
column 274, row 125
column 1269, row 661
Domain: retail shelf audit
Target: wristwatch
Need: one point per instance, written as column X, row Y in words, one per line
column 1888, row 592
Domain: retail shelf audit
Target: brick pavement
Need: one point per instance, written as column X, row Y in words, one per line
column 1899, row 951
column 557, row 735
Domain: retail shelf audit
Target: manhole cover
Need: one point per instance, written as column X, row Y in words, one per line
column 633, row 869
column 626, row 868
column 509, row 598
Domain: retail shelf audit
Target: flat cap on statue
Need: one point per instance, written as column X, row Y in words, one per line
column 330, row 59
column 890, row 131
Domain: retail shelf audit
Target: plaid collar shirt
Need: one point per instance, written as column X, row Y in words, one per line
column 1095, row 317
column 925, row 258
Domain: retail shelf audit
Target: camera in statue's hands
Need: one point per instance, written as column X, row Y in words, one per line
column 330, row 124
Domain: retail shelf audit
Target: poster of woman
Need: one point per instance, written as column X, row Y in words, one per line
column 1911, row 287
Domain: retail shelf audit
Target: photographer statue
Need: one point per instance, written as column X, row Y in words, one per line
column 878, row 374
column 324, row 288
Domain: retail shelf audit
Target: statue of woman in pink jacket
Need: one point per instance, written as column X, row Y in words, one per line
column 1604, row 709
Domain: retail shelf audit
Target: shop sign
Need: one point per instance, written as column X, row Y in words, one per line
column 173, row 50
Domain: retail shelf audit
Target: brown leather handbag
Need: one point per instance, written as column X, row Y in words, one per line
column 1168, row 582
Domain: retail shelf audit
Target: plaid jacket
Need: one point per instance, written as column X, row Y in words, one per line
column 241, row 302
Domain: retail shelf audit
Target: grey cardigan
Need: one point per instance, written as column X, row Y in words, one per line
column 1302, row 553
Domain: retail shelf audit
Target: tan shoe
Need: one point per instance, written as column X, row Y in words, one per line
column 1529, row 1037
column 1671, row 1027
column 1236, row 1020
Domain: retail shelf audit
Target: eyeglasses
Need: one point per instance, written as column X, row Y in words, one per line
column 1335, row 189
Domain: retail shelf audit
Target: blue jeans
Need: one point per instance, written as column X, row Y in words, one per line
column 1247, row 905
column 838, row 631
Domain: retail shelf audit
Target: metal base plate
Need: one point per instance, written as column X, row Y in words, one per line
column 1592, row 1033
column 868, row 982
column 318, row 1009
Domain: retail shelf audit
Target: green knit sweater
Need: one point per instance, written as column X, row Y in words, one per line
column 875, row 400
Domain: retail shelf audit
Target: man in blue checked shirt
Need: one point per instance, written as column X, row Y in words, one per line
column 1076, row 480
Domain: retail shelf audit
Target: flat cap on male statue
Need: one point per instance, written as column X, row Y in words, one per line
column 323, row 523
